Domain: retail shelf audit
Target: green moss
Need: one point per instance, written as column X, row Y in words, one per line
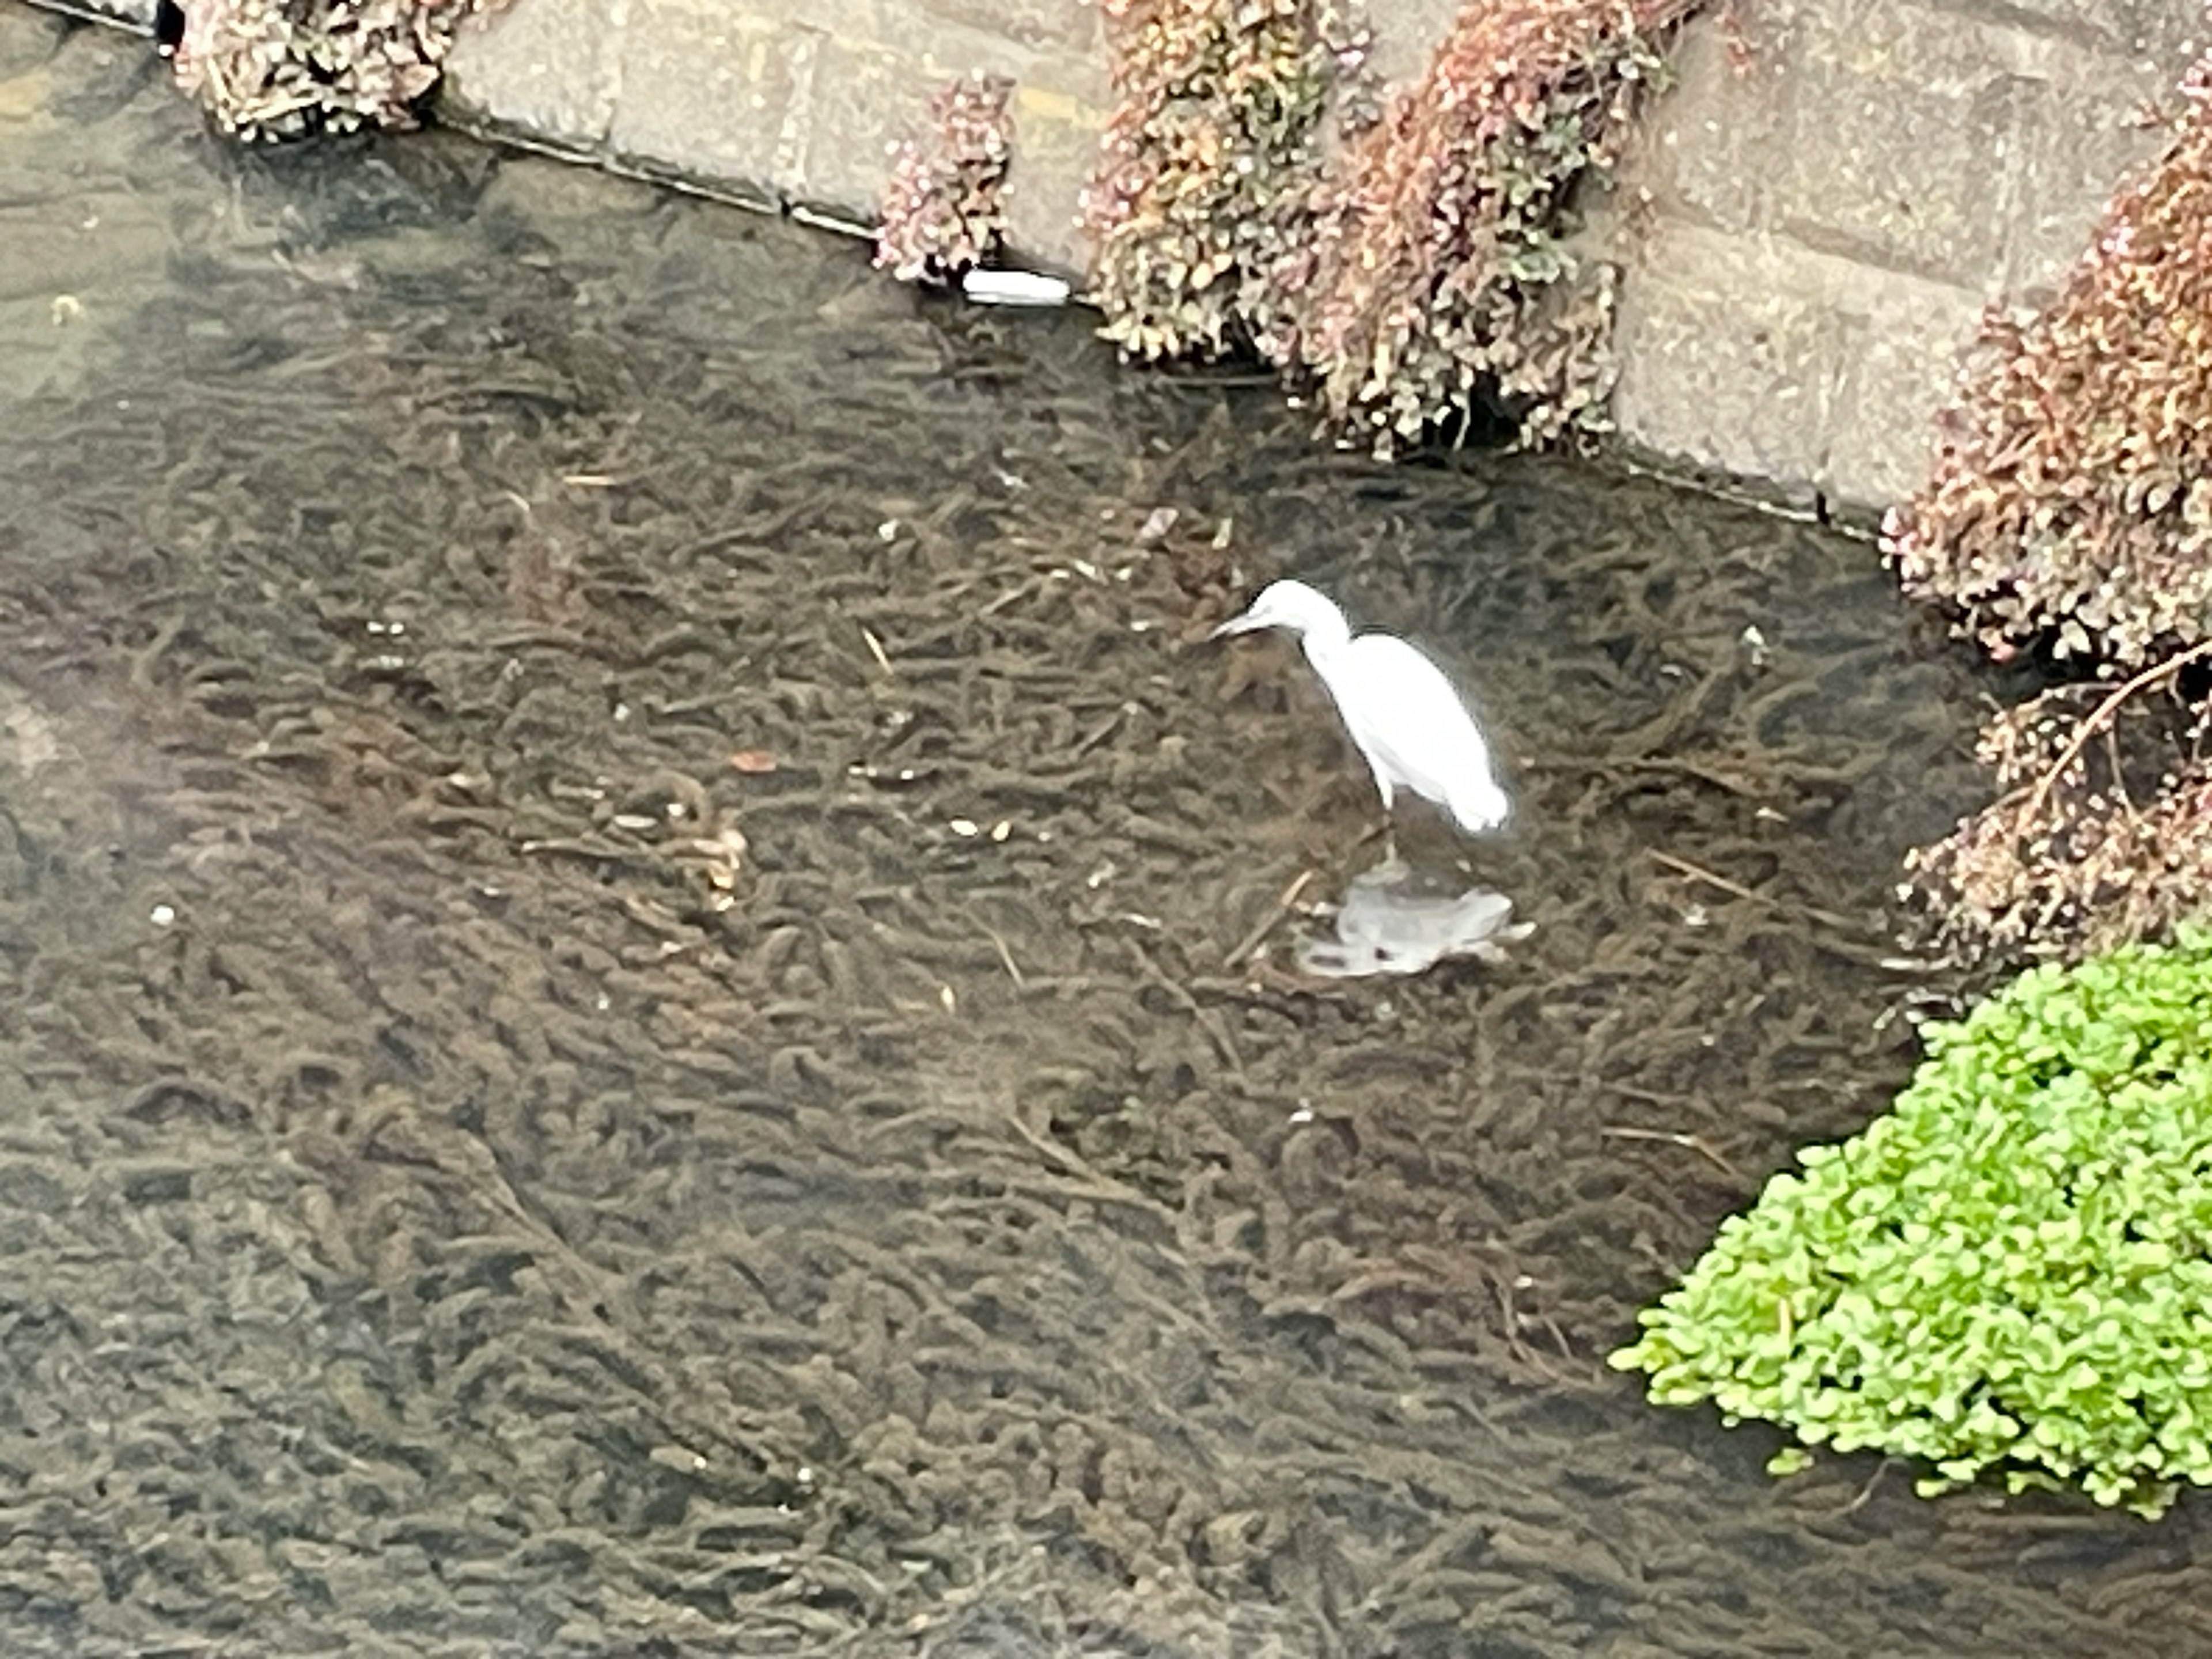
column 2010, row 1272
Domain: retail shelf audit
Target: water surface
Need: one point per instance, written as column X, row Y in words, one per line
column 632, row 1021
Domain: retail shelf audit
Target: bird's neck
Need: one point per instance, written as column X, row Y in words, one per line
column 1323, row 643
column 1326, row 638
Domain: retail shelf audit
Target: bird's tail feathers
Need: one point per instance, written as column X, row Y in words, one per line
column 1480, row 806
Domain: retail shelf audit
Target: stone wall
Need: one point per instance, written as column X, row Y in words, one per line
column 1822, row 204
column 1828, row 219
column 796, row 100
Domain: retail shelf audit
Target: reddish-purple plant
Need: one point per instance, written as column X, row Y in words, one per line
column 278, row 69
column 943, row 211
column 2071, row 500
column 2071, row 493
column 1438, row 266
column 1207, row 152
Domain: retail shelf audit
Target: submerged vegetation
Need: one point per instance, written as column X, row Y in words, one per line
column 2009, row 1272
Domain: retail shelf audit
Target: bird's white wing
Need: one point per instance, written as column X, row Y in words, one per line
column 1404, row 712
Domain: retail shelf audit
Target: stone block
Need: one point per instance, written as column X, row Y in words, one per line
column 2082, row 139
column 1706, row 152
column 546, row 68
column 2149, row 31
column 140, row 12
column 861, row 100
column 1052, row 27
column 1406, row 35
column 1726, row 361
column 1904, row 131
column 1056, row 137
column 1905, row 341
column 714, row 93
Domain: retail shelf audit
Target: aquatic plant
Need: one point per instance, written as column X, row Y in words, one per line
column 280, row 69
column 2011, row 1272
column 943, row 210
column 1208, row 151
column 1439, row 263
column 2070, row 502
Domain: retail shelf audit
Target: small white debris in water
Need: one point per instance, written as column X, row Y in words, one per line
column 1522, row 1282
column 951, row 1002
column 604, row 1002
column 888, row 529
column 67, row 308
column 964, row 827
column 1695, row 916
column 1303, row 1115
column 1002, row 829
column 1013, row 288
column 806, row 1476
column 161, row 916
column 622, row 711
column 1755, row 643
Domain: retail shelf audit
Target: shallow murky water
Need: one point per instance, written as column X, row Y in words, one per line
column 641, row 1016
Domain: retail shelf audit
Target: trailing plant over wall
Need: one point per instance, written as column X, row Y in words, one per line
column 943, row 211
column 1427, row 263
column 1207, row 152
column 2071, row 503
column 2072, row 488
column 2010, row 1272
column 1437, row 266
column 279, row 69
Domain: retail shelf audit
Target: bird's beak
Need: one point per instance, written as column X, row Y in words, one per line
column 1243, row 624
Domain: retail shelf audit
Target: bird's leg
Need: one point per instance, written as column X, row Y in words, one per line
column 1382, row 788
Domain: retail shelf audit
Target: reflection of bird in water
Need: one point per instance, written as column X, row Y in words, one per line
column 1404, row 717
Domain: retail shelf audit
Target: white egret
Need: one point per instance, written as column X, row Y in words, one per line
column 1404, row 716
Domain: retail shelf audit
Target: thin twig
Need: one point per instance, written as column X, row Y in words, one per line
column 1004, row 956
column 1711, row 878
column 1865, row 1491
column 2103, row 711
column 1673, row 1138
column 1289, row 896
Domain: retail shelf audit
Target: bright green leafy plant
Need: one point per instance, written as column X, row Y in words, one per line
column 2011, row 1272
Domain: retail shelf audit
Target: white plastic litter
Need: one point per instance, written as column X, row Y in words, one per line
column 1013, row 288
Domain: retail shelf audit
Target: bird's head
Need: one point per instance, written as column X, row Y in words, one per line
column 1294, row 607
